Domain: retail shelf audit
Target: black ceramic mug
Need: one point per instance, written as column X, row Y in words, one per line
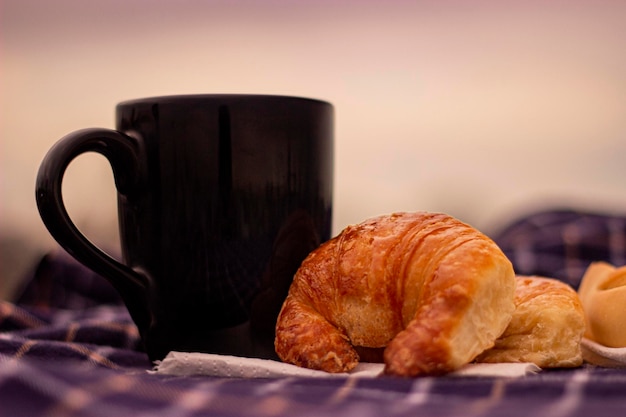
column 220, row 198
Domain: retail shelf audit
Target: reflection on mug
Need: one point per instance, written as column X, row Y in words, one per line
column 295, row 240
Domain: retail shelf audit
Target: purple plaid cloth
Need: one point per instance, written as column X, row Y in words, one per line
column 69, row 348
column 562, row 243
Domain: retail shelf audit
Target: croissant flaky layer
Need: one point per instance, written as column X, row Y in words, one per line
column 429, row 289
column 546, row 328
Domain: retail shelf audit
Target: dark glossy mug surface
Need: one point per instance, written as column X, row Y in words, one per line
column 220, row 198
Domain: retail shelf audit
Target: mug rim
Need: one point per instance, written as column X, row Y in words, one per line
column 180, row 98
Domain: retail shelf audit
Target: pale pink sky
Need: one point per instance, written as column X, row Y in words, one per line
column 475, row 108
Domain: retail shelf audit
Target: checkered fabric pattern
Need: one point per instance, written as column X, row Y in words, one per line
column 69, row 348
column 562, row 243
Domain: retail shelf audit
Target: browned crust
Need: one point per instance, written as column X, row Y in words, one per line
column 405, row 281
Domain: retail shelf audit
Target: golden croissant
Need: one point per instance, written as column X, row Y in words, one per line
column 430, row 290
column 546, row 329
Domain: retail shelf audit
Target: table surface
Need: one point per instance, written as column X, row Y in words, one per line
column 68, row 347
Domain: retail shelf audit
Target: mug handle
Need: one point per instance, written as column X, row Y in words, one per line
column 124, row 155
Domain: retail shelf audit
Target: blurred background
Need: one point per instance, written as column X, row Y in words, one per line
column 485, row 110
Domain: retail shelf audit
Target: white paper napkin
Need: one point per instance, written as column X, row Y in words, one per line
column 601, row 355
column 190, row 364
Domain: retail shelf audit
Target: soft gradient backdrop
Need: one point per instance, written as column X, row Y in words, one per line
column 480, row 109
